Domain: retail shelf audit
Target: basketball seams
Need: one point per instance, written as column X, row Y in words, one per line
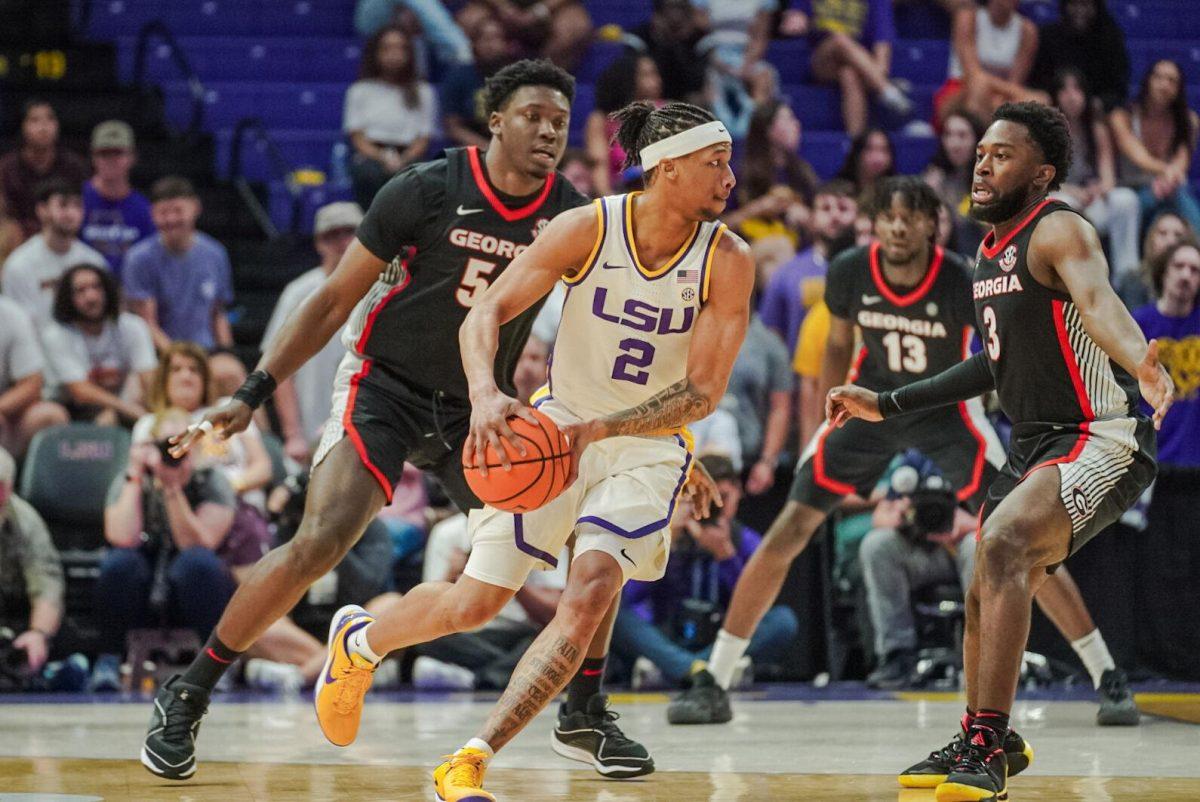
column 525, row 481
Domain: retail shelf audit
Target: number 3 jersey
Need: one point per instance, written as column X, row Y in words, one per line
column 908, row 333
column 446, row 234
column 626, row 329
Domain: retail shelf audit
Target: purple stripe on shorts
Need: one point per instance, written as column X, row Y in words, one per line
column 532, row 551
column 650, row 528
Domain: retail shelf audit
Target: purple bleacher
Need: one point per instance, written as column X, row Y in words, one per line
column 260, row 58
column 626, row 13
column 277, row 105
column 263, row 18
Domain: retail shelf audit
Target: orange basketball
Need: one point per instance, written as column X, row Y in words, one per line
column 535, row 478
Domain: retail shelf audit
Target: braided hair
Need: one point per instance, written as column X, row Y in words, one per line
column 642, row 123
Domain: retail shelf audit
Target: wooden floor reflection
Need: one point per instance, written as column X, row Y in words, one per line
column 62, row 780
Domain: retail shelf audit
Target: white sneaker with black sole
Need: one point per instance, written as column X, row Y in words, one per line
column 592, row 736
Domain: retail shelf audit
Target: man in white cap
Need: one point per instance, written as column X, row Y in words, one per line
column 303, row 401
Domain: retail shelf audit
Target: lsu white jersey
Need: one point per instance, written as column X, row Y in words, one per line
column 626, row 330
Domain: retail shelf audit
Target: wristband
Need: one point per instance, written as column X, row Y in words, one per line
column 257, row 388
column 886, row 400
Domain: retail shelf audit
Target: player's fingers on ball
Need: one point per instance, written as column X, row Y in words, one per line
column 514, row 438
column 526, row 414
column 501, row 451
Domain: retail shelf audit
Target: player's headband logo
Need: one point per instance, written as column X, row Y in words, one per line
column 683, row 143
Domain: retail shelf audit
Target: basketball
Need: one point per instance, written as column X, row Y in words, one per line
column 535, row 479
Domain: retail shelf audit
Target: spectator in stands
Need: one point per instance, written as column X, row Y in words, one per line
column 115, row 215
column 871, row 156
column 32, row 271
column 1155, row 136
column 165, row 520
column 39, row 158
column 1085, row 37
column 390, row 113
column 950, row 170
column 179, row 281
column 99, row 360
column 739, row 77
column 633, row 76
column 437, row 24
column 11, row 234
column 31, row 574
column 463, row 112
column 1091, row 185
column 667, row 627
column 807, row 359
column 993, row 50
column 1174, row 321
column 852, row 48
column 762, row 385
column 580, row 169
column 23, row 413
column 302, row 401
column 775, row 184
column 799, row 283
column 671, row 34
column 1165, row 230
column 555, row 29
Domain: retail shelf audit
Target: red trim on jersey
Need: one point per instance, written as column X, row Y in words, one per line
column 1064, row 344
column 384, row 301
column 935, row 265
column 819, row 475
column 981, row 452
column 991, row 251
column 1071, row 456
column 356, row 438
column 510, row 215
column 852, row 376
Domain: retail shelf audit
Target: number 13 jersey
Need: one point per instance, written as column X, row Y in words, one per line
column 626, row 329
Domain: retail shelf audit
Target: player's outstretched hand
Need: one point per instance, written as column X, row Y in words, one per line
column 1155, row 383
column 221, row 422
column 489, row 422
column 851, row 401
column 701, row 492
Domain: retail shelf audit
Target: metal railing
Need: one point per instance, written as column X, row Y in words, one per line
column 157, row 29
column 279, row 166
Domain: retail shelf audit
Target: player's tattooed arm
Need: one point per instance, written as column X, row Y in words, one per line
column 544, row 671
column 681, row 403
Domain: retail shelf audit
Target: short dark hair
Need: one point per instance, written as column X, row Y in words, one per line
column 527, row 72
column 838, row 187
column 1047, row 127
column 64, row 308
column 171, row 188
column 643, row 123
column 32, row 103
column 720, row 468
column 47, row 189
column 914, row 193
column 1157, row 268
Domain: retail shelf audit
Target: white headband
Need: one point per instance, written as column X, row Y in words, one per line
column 683, row 143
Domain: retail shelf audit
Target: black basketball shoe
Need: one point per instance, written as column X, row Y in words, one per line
column 702, row 702
column 933, row 770
column 592, row 736
column 170, row 747
column 1117, row 708
column 980, row 772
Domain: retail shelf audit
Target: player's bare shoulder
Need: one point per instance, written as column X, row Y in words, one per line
column 1062, row 238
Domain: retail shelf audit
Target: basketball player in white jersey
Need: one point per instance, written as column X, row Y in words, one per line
column 657, row 308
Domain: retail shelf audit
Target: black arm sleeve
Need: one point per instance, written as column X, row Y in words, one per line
column 967, row 379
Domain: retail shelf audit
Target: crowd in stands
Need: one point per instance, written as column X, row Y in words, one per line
column 113, row 307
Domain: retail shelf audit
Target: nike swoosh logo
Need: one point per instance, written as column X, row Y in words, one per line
column 608, row 266
column 627, row 557
column 869, row 300
column 346, row 647
column 461, row 212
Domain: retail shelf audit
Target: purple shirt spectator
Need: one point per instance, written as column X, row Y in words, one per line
column 797, row 285
column 1179, row 351
column 113, row 226
column 185, row 287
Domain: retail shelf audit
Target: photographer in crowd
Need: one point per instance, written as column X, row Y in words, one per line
column 669, row 625
column 165, row 520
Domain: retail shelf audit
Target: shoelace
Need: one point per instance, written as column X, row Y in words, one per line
column 1113, row 686
column 974, row 759
column 949, row 751
column 182, row 714
column 352, row 685
column 607, row 724
column 465, row 770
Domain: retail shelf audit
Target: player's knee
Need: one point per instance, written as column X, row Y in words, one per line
column 313, row 553
column 881, row 546
column 594, row 582
column 1002, row 554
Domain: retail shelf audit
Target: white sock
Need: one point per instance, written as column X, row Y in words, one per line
column 1094, row 653
column 360, row 646
column 892, row 94
column 726, row 652
column 482, row 746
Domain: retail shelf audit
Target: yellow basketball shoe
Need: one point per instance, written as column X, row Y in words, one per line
column 460, row 778
column 339, row 690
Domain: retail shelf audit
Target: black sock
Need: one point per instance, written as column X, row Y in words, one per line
column 210, row 664
column 585, row 684
column 991, row 724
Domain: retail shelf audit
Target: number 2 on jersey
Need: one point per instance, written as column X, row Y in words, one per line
column 635, row 356
column 475, row 281
column 905, row 352
column 993, row 339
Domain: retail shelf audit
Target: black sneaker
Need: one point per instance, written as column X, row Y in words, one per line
column 1117, row 708
column 933, row 770
column 170, row 747
column 980, row 773
column 702, row 702
column 592, row 736
column 895, row 672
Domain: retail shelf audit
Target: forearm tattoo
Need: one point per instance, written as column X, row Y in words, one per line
column 542, row 673
column 678, row 405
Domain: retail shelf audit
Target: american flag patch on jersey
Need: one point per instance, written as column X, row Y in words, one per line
column 690, row 276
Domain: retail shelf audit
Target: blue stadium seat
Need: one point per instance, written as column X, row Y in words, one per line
column 300, row 147
column 292, row 105
column 626, row 13
column 599, row 56
column 819, row 107
column 225, row 17
column 263, row 58
column 1157, row 19
column 1143, row 55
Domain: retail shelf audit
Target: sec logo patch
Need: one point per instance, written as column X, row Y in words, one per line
column 1009, row 259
